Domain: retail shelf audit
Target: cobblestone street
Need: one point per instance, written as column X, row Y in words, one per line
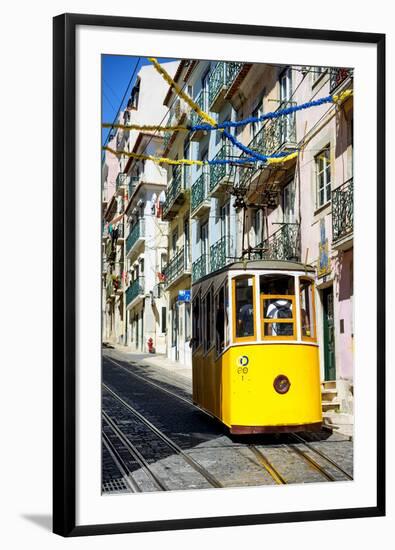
column 155, row 439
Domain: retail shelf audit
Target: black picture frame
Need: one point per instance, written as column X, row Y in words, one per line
column 64, row 273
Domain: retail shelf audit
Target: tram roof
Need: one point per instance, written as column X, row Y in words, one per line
column 259, row 265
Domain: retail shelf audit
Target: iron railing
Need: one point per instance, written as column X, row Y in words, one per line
column 135, row 233
column 177, row 265
column 343, row 210
column 222, row 76
column 173, row 189
column 136, row 288
column 220, row 171
column 200, row 267
column 337, row 76
column 202, row 101
column 283, row 244
column 219, row 254
column 120, row 180
column 200, row 189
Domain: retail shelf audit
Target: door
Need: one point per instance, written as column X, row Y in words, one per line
column 204, row 246
column 329, row 334
column 285, row 95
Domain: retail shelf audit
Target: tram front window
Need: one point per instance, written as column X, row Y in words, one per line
column 244, row 306
column 278, row 306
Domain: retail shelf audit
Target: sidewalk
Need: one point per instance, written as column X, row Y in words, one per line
column 153, row 360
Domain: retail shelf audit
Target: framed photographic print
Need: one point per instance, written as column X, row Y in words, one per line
column 219, row 270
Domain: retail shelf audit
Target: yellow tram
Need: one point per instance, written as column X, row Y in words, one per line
column 255, row 353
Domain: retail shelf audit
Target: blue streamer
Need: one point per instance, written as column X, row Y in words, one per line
column 267, row 116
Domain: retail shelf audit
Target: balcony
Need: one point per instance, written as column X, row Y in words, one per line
column 135, row 292
column 283, row 244
column 135, row 238
column 175, row 194
column 221, row 79
column 338, row 75
column 343, row 215
column 200, row 267
column 121, row 183
column 177, row 268
column 120, row 233
column 219, row 254
column 133, row 183
column 220, row 174
column 202, row 101
column 179, row 111
column 200, row 199
column 110, row 251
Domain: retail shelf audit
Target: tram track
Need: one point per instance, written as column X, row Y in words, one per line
column 212, row 480
column 259, row 455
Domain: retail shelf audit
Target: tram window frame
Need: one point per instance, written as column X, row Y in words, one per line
column 218, row 348
column 286, row 320
column 207, row 332
column 196, row 322
column 314, row 323
column 250, row 338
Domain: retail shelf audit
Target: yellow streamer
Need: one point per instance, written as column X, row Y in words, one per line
column 282, row 159
column 179, row 92
column 340, row 98
column 145, row 127
column 158, row 160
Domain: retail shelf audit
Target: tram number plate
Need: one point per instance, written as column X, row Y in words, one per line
column 242, row 363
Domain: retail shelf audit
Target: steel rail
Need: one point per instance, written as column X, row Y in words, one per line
column 135, row 453
column 126, row 474
column 278, row 478
column 311, row 462
column 195, row 465
column 322, row 455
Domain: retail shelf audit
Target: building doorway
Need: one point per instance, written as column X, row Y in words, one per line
column 329, row 334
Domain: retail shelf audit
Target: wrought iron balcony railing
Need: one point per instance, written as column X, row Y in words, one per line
column 343, row 211
column 173, row 190
column 222, row 77
column 219, row 254
column 120, row 181
column 283, row 244
column 136, row 288
column 200, row 267
column 200, row 189
column 136, row 232
column 202, row 101
column 178, row 265
column 337, row 76
column 220, row 171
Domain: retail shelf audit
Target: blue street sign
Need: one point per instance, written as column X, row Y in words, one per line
column 184, row 295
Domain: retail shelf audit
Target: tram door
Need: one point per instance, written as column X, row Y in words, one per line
column 329, row 335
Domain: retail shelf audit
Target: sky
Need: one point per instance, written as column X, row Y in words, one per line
column 116, row 73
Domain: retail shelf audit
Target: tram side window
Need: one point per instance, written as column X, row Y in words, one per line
column 220, row 321
column 244, row 306
column 196, row 322
column 307, row 308
column 278, row 306
column 208, row 317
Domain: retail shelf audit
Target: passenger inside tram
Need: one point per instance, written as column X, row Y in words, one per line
column 275, row 290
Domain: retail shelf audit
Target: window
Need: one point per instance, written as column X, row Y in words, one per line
column 174, row 324
column 318, row 72
column 289, row 203
column 163, row 320
column 174, row 239
column 244, row 318
column 221, row 306
column 186, row 243
column 278, row 306
column 258, row 111
column 307, row 315
column 196, row 322
column 208, row 318
column 187, row 321
column 225, row 227
column 204, row 248
column 323, row 175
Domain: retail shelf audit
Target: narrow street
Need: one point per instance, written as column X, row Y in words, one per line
column 155, row 439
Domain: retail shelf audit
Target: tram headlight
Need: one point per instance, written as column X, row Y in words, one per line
column 281, row 384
